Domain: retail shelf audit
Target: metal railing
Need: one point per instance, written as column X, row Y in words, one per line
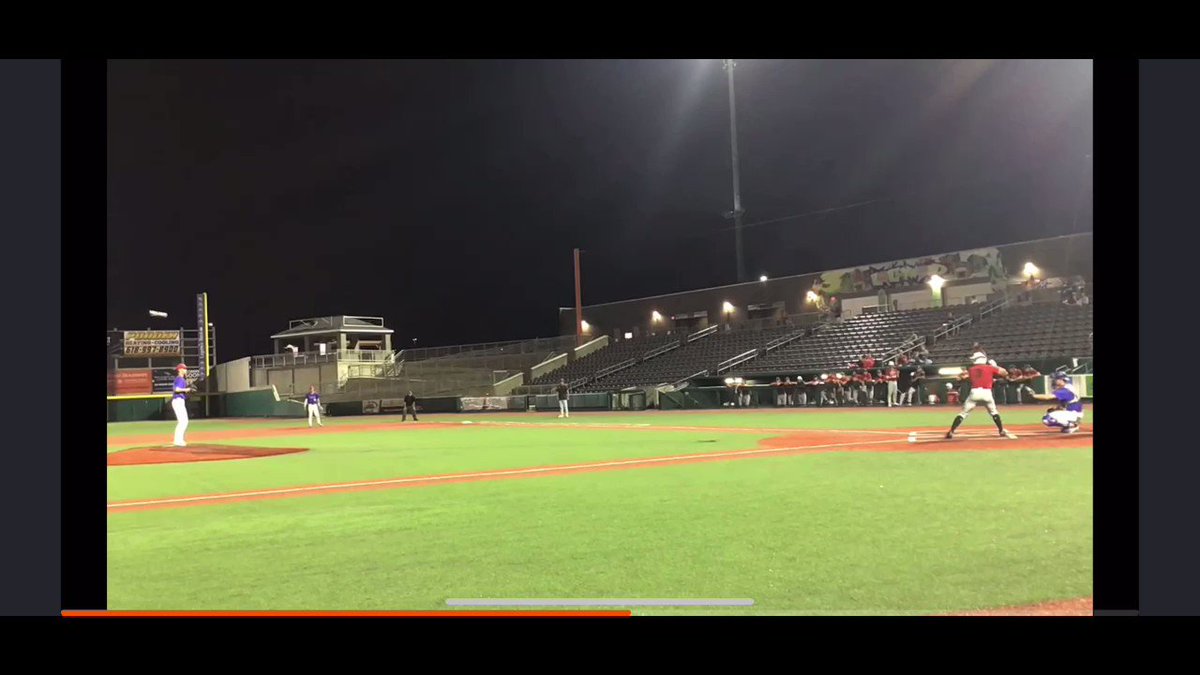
column 703, row 332
column 781, row 341
column 327, row 322
column 904, row 348
column 659, row 351
column 681, row 382
column 609, row 370
column 737, row 360
column 952, row 327
column 530, row 346
column 308, row 358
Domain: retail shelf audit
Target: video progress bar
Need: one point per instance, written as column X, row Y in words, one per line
column 598, row 602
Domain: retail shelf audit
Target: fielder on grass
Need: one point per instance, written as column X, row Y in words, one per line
column 982, row 373
column 563, row 396
column 313, row 403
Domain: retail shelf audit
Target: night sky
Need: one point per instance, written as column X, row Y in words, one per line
column 446, row 196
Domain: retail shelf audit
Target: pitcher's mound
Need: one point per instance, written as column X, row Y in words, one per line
column 192, row 453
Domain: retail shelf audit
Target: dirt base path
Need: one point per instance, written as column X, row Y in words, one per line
column 1076, row 607
column 798, row 443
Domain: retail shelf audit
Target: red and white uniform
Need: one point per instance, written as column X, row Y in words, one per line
column 982, row 376
column 892, row 377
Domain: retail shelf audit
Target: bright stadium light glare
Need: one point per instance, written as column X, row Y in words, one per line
column 950, row 371
column 727, row 307
column 585, row 326
column 628, row 336
column 812, row 296
column 763, row 278
column 1031, row 270
column 157, row 314
column 936, row 282
column 655, row 316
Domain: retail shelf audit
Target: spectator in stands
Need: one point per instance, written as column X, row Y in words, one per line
column 1083, row 298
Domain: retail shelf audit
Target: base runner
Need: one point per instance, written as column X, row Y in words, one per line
column 982, row 374
column 313, row 403
column 179, row 404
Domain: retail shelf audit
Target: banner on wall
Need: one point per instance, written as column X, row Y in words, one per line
column 481, row 403
column 130, row 383
column 164, row 380
column 982, row 264
column 153, row 343
column 370, row 407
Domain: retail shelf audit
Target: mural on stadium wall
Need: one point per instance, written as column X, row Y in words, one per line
column 982, row 263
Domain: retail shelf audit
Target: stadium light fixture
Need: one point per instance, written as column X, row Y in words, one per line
column 812, row 296
column 656, row 317
column 158, row 315
column 727, row 307
column 1031, row 270
column 585, row 326
column 763, row 278
column 936, row 282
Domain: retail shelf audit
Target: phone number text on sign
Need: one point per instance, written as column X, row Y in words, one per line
column 152, row 343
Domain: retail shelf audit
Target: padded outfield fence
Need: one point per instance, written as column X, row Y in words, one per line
column 266, row 402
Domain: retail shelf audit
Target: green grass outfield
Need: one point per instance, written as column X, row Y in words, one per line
column 832, row 533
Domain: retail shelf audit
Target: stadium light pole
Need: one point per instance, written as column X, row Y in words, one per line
column 736, row 214
column 578, row 305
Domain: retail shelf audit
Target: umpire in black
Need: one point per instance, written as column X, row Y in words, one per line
column 410, row 407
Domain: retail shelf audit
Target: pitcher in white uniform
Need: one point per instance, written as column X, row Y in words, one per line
column 179, row 404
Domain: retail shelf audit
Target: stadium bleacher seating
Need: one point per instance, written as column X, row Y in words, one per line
column 702, row 354
column 839, row 344
column 1023, row 333
column 611, row 355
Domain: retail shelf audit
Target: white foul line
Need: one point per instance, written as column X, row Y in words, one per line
column 507, row 472
column 482, row 474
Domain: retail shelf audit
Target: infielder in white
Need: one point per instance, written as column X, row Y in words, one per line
column 563, row 396
column 179, row 404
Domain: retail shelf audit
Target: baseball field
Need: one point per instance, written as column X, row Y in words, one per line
column 863, row 511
